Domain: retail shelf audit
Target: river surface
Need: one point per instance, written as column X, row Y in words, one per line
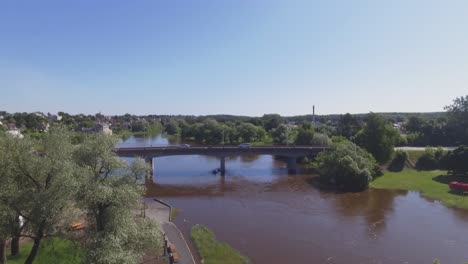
column 273, row 217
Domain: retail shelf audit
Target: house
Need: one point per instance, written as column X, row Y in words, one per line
column 12, row 126
column 103, row 128
column 15, row 133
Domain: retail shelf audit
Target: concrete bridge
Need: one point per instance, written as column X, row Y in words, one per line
column 291, row 153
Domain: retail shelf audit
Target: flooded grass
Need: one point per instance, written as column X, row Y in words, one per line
column 213, row 251
column 174, row 213
column 432, row 184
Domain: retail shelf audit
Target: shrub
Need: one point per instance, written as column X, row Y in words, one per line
column 456, row 160
column 347, row 166
column 431, row 159
column 398, row 162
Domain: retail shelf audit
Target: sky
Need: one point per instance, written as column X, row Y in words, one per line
column 242, row 57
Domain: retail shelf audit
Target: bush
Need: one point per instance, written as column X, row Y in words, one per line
column 398, row 162
column 456, row 160
column 430, row 160
column 347, row 166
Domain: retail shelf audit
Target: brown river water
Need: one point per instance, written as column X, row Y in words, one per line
column 273, row 217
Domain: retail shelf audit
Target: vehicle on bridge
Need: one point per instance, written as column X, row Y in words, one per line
column 184, row 146
column 245, row 145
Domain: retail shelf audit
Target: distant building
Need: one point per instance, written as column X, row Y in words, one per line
column 103, row 128
column 15, row 133
column 12, row 126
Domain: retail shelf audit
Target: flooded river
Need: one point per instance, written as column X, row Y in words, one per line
column 273, row 217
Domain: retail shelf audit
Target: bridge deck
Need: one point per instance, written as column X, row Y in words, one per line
column 219, row 150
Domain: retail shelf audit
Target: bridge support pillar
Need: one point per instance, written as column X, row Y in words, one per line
column 292, row 165
column 150, row 162
column 222, row 165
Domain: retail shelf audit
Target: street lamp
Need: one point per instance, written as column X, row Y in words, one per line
column 223, row 136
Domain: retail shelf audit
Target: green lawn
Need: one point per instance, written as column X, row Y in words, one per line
column 414, row 155
column 52, row 251
column 433, row 184
column 212, row 251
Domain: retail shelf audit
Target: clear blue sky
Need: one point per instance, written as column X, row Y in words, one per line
column 232, row 57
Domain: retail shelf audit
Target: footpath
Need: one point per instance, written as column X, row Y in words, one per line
column 160, row 213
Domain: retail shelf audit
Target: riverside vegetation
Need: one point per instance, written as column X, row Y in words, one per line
column 50, row 183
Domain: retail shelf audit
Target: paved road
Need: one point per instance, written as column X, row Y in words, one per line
column 160, row 213
column 423, row 148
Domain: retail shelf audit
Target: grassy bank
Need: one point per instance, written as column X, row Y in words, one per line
column 433, row 184
column 213, row 251
column 52, row 251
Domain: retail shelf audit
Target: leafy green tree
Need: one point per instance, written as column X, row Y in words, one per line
column 430, row 160
column 140, row 125
column 40, row 183
column 320, row 139
column 378, row 137
column 348, row 126
column 283, row 135
column 346, row 166
column 398, row 161
column 272, row 121
column 172, row 127
column 305, row 134
column 456, row 160
column 415, row 124
column 110, row 190
column 458, row 120
column 247, row 132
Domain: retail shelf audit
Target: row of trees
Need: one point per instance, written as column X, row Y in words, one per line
column 49, row 182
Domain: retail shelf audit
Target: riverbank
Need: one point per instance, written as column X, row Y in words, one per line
column 213, row 251
column 432, row 184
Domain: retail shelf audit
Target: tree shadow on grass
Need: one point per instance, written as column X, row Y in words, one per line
column 447, row 178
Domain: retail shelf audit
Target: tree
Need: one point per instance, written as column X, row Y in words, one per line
column 271, row 121
column 415, row 124
column 305, row 134
column 320, row 139
column 347, row 166
column 458, row 119
column 139, row 125
column 378, row 137
column 41, row 184
column 247, row 132
column 110, row 190
column 456, row 160
column 348, row 126
column 172, row 127
column 283, row 134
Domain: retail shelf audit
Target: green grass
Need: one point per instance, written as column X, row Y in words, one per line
column 414, row 155
column 432, row 184
column 212, row 251
column 51, row 251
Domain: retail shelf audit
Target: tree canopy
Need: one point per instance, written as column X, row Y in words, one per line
column 346, row 166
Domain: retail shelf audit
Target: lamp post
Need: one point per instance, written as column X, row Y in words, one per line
column 223, row 136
